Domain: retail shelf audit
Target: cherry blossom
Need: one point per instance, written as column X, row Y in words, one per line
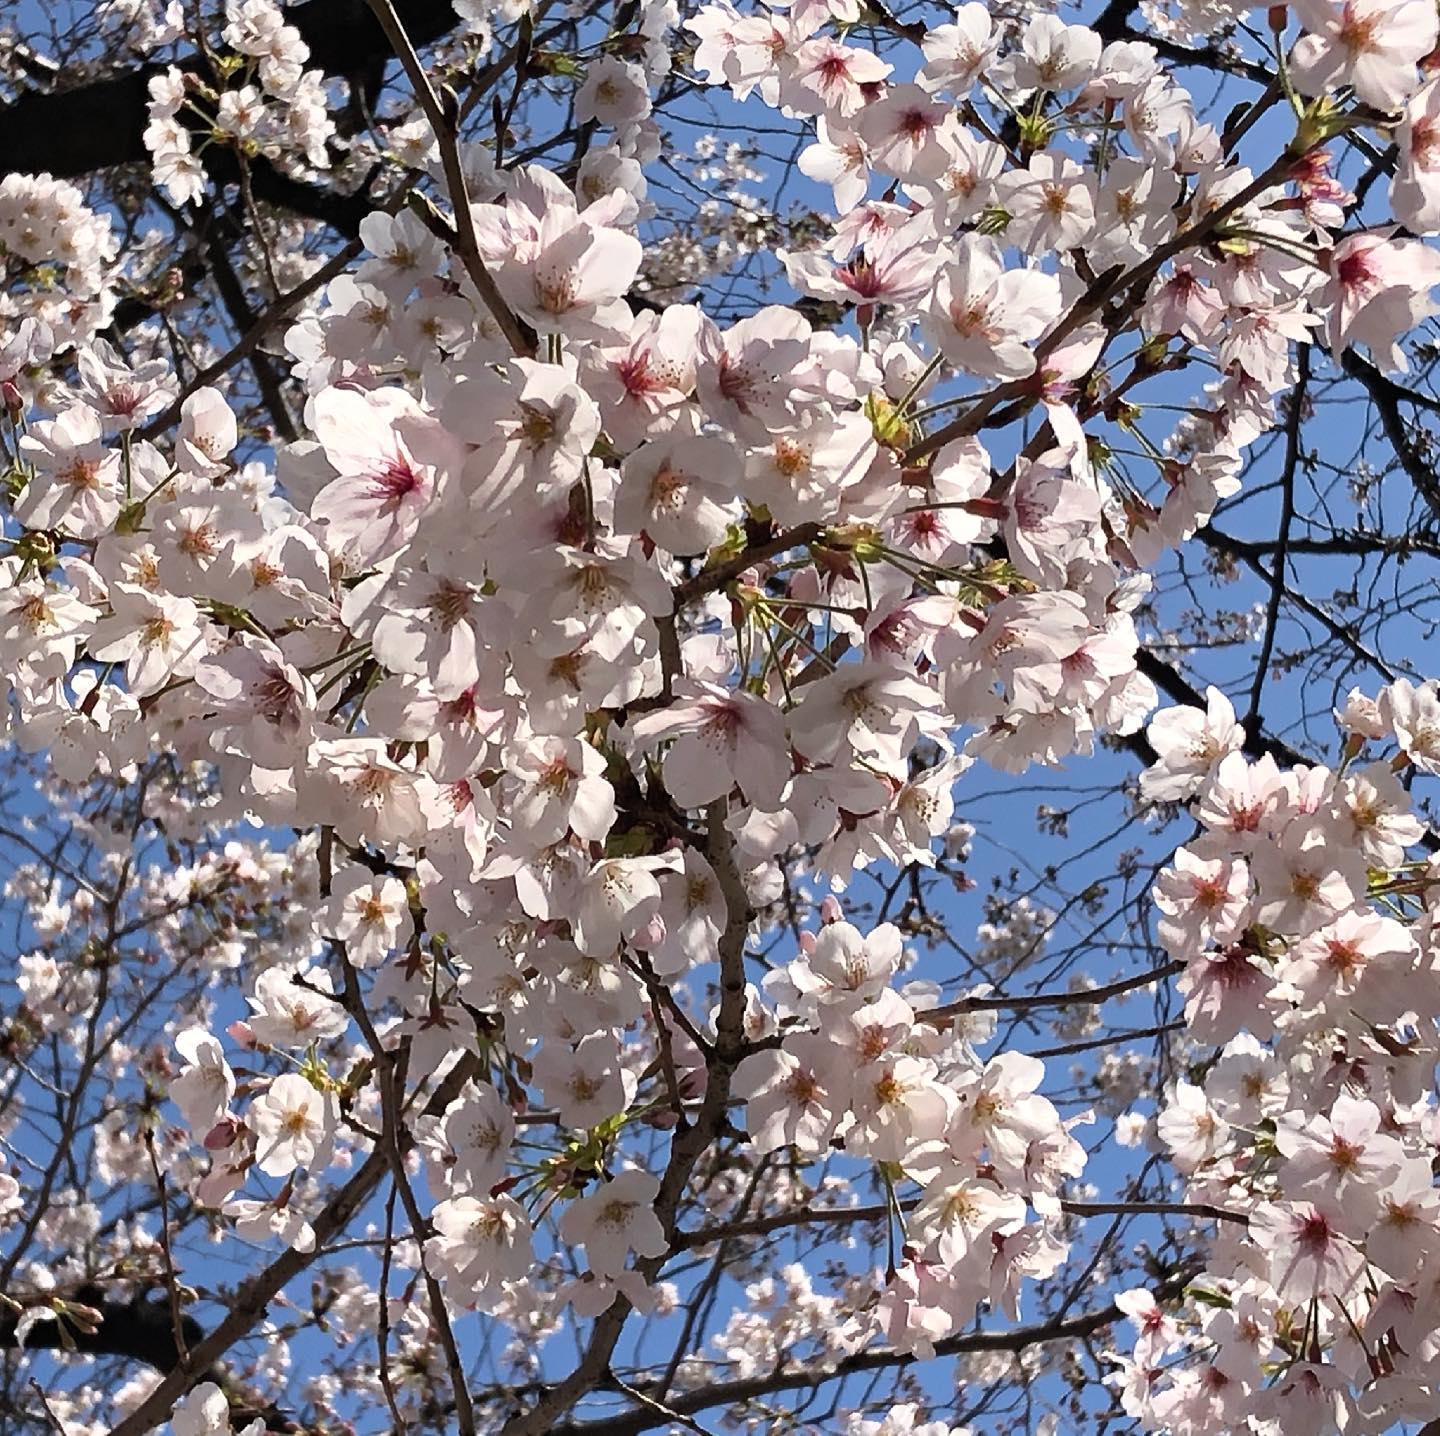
column 205, row 1086
column 722, row 737
column 382, row 491
column 562, row 269
column 79, row 483
column 983, row 315
column 585, row 1084
column 156, row 637
column 678, row 491
column 1373, row 47
column 367, row 913
column 1379, row 287
column 615, row 1219
column 294, row 1126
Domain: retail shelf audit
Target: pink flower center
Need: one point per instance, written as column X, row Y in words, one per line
column 1358, row 271
column 395, row 482
column 915, row 126
column 1313, row 1234
column 863, row 278
column 637, row 377
column 1357, row 33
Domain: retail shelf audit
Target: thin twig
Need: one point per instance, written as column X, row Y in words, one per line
column 248, row 341
column 1083, row 997
column 446, row 139
column 1282, row 542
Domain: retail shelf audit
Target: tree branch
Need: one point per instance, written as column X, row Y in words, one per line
column 1287, row 516
column 250, row 339
column 729, row 1393
column 69, row 133
column 466, row 242
column 253, row 1299
column 1081, row 997
column 140, row 1329
column 691, row 1141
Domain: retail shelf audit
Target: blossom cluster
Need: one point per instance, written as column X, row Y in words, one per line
column 1307, row 1115
column 279, row 110
column 57, row 260
column 860, row 1067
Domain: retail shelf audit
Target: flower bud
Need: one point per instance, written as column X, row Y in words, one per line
column 225, row 1133
column 241, row 1033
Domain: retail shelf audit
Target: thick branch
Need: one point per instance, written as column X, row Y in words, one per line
column 138, row 1330
column 690, row 1144
column 94, row 126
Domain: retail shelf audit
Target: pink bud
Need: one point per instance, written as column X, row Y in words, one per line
column 807, row 942
column 242, row 1033
column 651, row 935
column 831, row 911
column 223, row 1134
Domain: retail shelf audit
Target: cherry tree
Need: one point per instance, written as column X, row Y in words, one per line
column 719, row 717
